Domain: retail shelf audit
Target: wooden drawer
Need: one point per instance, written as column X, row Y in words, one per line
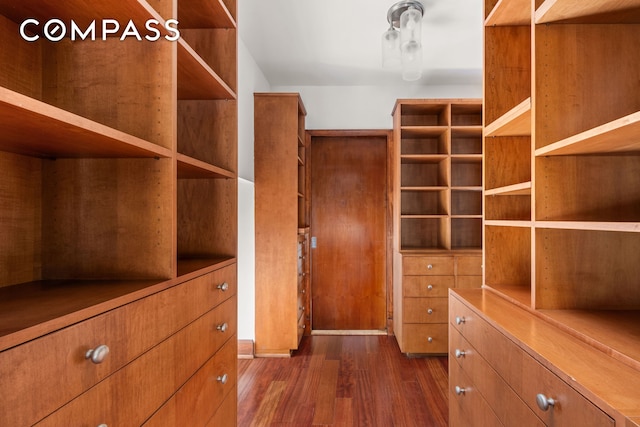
column 425, row 338
column 507, row 405
column 425, row 310
column 133, row 393
column 510, row 361
column 467, row 407
column 227, row 413
column 469, row 265
column 61, row 372
column 570, row 408
column 427, row 265
column 204, row 395
column 427, row 286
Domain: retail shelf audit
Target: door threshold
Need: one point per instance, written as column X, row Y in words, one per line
column 349, row 332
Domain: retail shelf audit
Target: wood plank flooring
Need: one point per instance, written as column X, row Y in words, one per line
column 344, row 381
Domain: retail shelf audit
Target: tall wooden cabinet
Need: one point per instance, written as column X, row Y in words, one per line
column 562, row 200
column 437, row 214
column 282, row 224
column 118, row 216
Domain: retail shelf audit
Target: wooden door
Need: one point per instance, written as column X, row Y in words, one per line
column 349, row 229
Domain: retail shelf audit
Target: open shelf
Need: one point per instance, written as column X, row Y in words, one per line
column 521, row 189
column 507, row 12
column 205, row 14
column 34, row 128
column 189, row 168
column 515, row 122
column 196, row 79
column 617, row 136
column 581, row 11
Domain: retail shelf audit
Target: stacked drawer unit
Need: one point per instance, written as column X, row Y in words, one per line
column 303, row 282
column 119, row 368
column 494, row 379
column 426, row 280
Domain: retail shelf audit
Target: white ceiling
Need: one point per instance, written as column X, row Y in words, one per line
column 338, row 42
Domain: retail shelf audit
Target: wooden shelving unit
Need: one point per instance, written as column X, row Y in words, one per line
column 437, row 214
column 118, row 188
column 561, row 192
column 282, row 224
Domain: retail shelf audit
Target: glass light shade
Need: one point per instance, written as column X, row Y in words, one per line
column 411, row 26
column 391, row 48
column 411, row 53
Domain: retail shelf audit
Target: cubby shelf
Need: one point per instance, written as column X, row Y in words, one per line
column 196, row 79
column 564, row 10
column 34, row 128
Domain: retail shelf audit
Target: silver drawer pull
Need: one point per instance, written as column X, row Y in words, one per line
column 430, row 339
column 98, row 354
column 430, row 311
column 460, row 353
column 460, row 320
column 222, row 378
column 544, row 402
column 223, row 287
column 223, row 327
column 460, row 391
column 430, row 287
column 429, row 267
column 102, row 425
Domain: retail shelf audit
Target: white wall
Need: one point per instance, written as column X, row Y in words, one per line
column 333, row 107
column 250, row 80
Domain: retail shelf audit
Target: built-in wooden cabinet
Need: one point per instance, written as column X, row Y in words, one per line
column 561, row 188
column 118, row 213
column 282, row 224
column 437, row 214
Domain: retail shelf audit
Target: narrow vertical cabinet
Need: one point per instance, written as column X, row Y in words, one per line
column 561, row 223
column 118, row 214
column 437, row 214
column 282, row 226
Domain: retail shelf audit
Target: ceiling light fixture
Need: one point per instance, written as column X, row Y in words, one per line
column 404, row 47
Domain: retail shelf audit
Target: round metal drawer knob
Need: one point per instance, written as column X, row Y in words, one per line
column 102, row 425
column 223, row 287
column 98, row 354
column 222, row 378
column 544, row 402
column 460, row 391
column 460, row 320
column 223, row 327
column 430, row 339
column 430, row 287
column 460, row 353
column 429, row 267
column 430, row 311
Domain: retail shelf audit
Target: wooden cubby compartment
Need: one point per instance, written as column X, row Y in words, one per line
column 425, row 171
column 425, row 114
column 430, row 140
column 425, row 233
column 424, row 202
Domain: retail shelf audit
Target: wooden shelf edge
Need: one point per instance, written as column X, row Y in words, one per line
column 518, row 295
column 60, row 133
column 617, row 136
column 421, row 216
column 520, row 189
column 196, row 79
column 560, row 10
column 192, row 267
column 432, row 188
column 190, row 168
column 515, row 122
column 509, row 12
column 628, row 227
column 508, row 223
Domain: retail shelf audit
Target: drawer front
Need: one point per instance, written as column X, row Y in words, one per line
column 203, row 396
column 133, row 393
column 427, row 286
column 227, row 413
column 425, row 338
column 61, row 372
column 427, row 265
column 570, row 407
column 500, row 352
column 468, row 282
column 467, row 407
column 469, row 265
column 506, row 404
column 425, row 310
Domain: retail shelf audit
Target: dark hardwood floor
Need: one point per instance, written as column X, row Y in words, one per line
column 344, row 381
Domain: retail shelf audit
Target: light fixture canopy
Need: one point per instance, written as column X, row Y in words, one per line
column 404, row 47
